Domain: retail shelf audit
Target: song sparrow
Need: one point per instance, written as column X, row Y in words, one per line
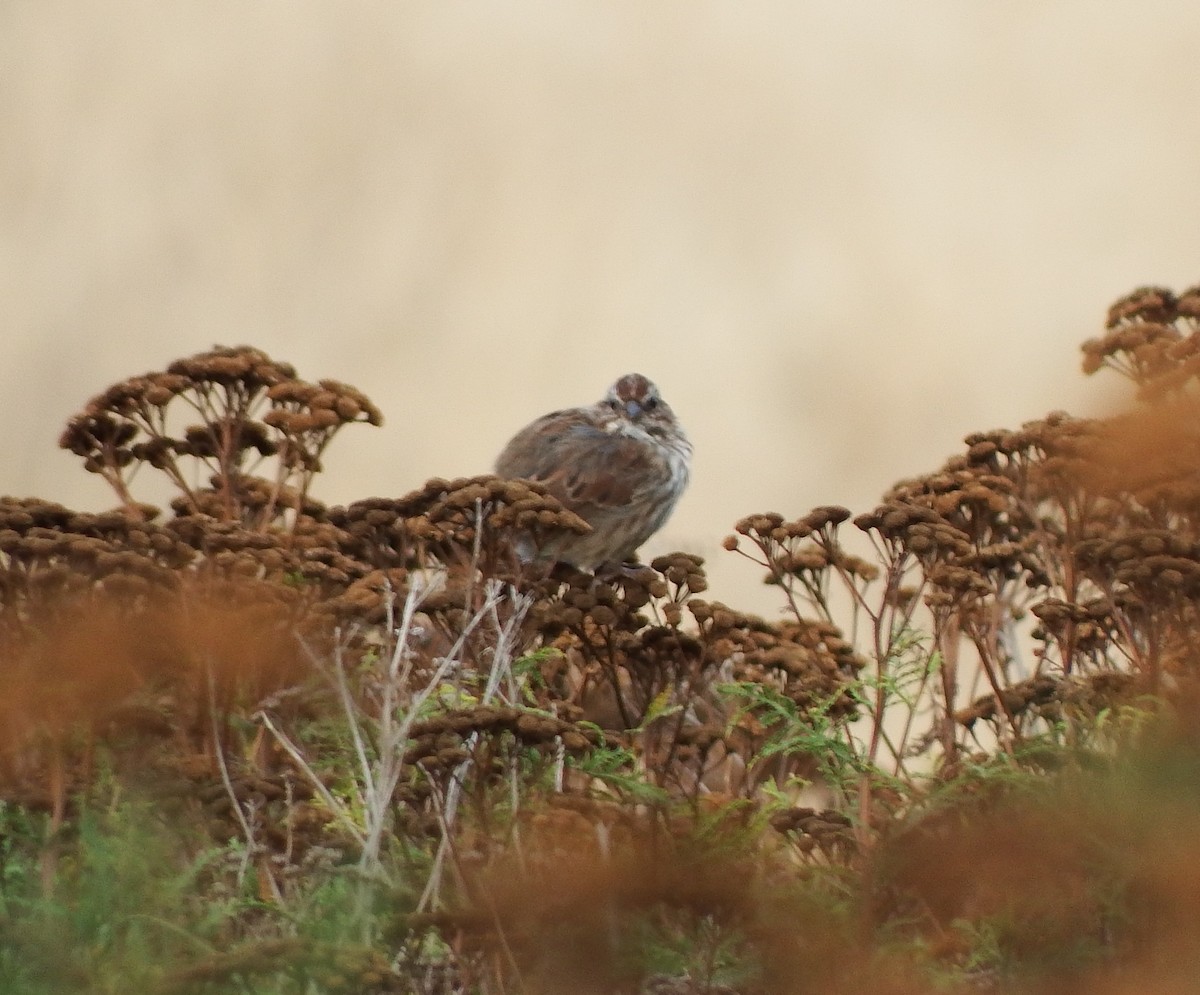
column 620, row 465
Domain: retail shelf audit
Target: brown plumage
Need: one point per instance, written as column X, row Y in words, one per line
column 620, row 465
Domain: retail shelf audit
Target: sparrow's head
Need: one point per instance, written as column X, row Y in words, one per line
column 634, row 397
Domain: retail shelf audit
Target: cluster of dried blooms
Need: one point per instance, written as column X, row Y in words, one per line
column 217, row 416
column 1042, row 576
column 1151, row 338
column 470, row 520
column 1065, row 519
column 1053, row 569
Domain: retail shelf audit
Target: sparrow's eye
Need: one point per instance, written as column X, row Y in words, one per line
column 650, row 404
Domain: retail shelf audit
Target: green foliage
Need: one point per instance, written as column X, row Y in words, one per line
column 123, row 901
column 699, row 948
column 102, row 906
column 617, row 767
column 812, row 732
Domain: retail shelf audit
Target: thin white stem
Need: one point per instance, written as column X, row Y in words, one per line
column 225, row 778
column 445, row 810
column 351, row 710
column 338, row 808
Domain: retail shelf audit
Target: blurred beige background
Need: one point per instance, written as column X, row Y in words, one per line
column 839, row 236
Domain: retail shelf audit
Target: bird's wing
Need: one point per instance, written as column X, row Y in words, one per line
column 589, row 470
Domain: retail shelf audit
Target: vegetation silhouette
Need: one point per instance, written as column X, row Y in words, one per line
column 252, row 743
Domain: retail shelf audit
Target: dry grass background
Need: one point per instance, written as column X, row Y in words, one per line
column 839, row 236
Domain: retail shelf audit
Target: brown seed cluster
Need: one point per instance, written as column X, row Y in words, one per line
column 827, row 831
column 1090, row 627
column 251, row 408
column 1152, row 565
column 488, row 736
column 456, row 520
column 432, row 737
column 452, row 513
column 1049, row 697
column 964, row 525
column 1152, row 340
column 47, row 551
column 808, row 660
column 291, row 820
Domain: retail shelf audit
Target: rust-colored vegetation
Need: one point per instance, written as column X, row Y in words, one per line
column 965, row 758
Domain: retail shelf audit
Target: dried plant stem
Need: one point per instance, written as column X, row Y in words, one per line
column 219, row 751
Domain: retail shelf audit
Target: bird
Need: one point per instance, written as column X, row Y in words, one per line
column 620, row 465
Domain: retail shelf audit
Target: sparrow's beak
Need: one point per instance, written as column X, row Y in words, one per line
column 632, row 409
